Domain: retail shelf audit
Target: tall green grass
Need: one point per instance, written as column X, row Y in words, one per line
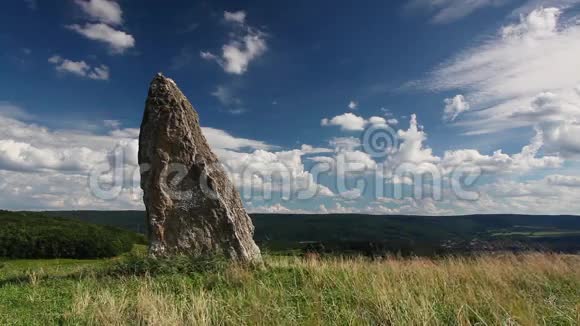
column 531, row 289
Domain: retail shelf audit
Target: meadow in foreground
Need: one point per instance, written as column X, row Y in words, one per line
column 530, row 289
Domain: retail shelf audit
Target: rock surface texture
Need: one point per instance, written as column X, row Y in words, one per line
column 192, row 207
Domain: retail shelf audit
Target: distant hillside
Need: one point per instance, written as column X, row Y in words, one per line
column 35, row 235
column 128, row 220
column 413, row 234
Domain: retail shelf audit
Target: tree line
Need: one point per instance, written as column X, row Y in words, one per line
column 33, row 235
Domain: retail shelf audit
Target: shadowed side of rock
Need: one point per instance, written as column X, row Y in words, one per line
column 192, row 207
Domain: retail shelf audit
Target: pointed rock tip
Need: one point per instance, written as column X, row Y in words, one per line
column 160, row 78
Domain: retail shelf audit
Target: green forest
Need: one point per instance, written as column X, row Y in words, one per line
column 34, row 235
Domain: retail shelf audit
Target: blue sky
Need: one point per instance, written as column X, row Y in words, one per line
column 454, row 81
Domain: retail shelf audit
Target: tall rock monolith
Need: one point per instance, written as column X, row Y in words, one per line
column 192, row 207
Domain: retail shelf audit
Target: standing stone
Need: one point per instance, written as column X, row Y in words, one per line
column 192, row 207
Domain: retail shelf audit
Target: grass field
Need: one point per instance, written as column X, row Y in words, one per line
column 531, row 289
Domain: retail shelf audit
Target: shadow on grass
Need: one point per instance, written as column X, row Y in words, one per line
column 132, row 265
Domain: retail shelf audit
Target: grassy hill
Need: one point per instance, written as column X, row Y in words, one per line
column 133, row 289
column 529, row 289
column 424, row 235
column 34, row 235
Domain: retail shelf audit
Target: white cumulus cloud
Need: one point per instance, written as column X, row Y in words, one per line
column 563, row 180
column 79, row 68
column 49, row 169
column 352, row 122
column 118, row 41
column 236, row 17
column 346, row 121
column 454, row 107
column 106, row 11
column 245, row 45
